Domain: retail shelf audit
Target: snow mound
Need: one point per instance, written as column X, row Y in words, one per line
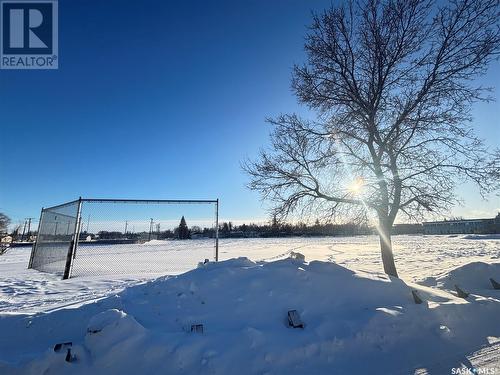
column 107, row 319
column 154, row 242
column 482, row 237
column 108, row 333
column 351, row 321
column 241, row 262
column 473, row 277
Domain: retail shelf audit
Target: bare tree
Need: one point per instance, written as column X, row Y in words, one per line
column 392, row 83
column 4, row 222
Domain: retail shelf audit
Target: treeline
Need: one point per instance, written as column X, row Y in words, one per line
column 275, row 229
column 229, row 230
column 182, row 232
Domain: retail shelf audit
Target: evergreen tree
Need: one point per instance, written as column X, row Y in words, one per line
column 183, row 230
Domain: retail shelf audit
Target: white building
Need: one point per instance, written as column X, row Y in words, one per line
column 6, row 239
column 463, row 226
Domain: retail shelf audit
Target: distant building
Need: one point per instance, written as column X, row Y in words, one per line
column 407, row 229
column 463, row 226
column 6, row 239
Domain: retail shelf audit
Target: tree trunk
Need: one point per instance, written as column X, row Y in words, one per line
column 386, row 248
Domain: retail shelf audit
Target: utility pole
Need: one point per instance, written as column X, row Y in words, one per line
column 29, row 225
column 150, row 229
column 24, row 231
column 29, row 228
column 126, row 224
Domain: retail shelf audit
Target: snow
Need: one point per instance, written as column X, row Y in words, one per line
column 482, row 237
column 356, row 318
column 417, row 258
column 474, row 276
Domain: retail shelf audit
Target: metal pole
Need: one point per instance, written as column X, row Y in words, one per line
column 33, row 249
column 24, row 230
column 150, row 229
column 77, row 236
column 78, row 231
column 73, row 244
column 217, row 230
column 149, row 201
column 29, row 228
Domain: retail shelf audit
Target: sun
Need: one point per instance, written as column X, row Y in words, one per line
column 356, row 186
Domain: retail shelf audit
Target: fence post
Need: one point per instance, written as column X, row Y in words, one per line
column 33, row 249
column 217, row 230
column 79, row 219
column 74, row 242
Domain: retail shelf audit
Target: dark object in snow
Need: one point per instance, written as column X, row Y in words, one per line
column 58, row 347
column 93, row 331
column 418, row 300
column 69, row 357
column 206, row 261
column 460, row 292
column 197, row 328
column 495, row 284
column 3, row 248
column 294, row 319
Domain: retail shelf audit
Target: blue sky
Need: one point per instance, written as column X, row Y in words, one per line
column 157, row 99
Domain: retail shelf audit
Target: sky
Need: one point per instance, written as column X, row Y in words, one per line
column 163, row 100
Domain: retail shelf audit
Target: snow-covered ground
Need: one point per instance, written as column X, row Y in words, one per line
column 417, row 258
column 357, row 320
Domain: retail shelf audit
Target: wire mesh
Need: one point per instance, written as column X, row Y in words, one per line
column 55, row 234
column 138, row 237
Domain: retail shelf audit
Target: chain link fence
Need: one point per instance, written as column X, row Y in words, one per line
column 93, row 237
column 56, row 231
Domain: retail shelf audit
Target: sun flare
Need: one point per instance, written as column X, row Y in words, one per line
column 356, row 186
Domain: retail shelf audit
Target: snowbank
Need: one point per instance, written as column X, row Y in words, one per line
column 482, row 237
column 354, row 323
column 154, row 242
column 473, row 277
